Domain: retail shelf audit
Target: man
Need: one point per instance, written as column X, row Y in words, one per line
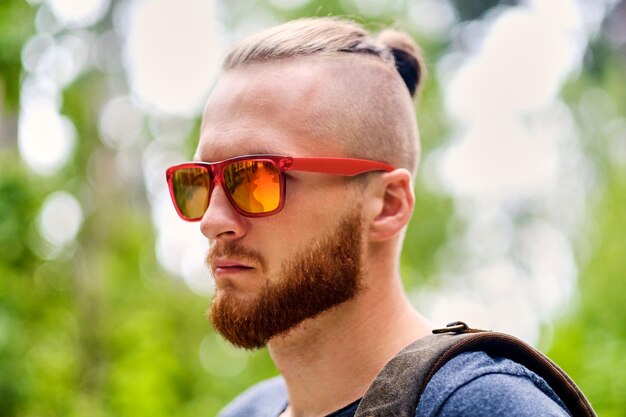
column 305, row 248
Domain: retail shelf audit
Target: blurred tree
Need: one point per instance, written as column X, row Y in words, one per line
column 474, row 9
column 12, row 38
column 590, row 342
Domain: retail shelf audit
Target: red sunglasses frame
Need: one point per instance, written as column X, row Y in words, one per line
column 336, row 166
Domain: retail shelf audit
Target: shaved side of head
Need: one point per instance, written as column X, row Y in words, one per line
column 367, row 109
column 366, row 106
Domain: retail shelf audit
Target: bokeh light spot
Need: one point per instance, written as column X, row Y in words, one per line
column 172, row 70
column 78, row 13
column 60, row 218
column 45, row 138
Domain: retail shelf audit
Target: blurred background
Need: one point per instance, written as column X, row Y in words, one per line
column 519, row 222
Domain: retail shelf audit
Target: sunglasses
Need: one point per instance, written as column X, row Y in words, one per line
column 254, row 184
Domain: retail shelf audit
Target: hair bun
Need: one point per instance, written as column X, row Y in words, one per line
column 408, row 58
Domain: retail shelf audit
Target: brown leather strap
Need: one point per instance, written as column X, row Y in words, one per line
column 399, row 385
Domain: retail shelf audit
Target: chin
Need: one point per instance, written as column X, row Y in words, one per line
column 234, row 291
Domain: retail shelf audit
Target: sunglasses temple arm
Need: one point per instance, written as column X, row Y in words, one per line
column 339, row 166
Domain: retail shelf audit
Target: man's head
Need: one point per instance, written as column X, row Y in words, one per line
column 309, row 88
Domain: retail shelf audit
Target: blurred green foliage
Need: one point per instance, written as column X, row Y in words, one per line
column 13, row 35
column 590, row 343
column 102, row 330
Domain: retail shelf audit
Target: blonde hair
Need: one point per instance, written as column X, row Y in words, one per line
column 329, row 36
column 391, row 134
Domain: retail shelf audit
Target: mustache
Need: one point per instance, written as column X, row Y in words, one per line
column 235, row 251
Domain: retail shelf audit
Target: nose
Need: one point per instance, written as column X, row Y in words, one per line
column 221, row 221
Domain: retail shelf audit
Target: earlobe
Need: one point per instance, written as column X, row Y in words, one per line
column 395, row 205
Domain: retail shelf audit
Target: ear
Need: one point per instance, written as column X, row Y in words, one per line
column 392, row 206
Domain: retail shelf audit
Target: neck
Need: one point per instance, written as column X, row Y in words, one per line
column 329, row 361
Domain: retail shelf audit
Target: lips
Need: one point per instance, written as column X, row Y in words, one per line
column 227, row 266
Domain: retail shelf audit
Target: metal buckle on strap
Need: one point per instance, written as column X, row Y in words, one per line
column 454, row 327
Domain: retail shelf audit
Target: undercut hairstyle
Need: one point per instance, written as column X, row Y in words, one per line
column 377, row 115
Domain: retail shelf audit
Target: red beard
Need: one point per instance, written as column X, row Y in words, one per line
column 326, row 273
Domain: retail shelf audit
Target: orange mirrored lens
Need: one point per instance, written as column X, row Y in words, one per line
column 253, row 185
column 191, row 191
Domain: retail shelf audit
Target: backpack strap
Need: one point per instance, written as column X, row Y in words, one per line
column 397, row 388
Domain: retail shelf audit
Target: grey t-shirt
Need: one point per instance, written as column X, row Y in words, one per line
column 471, row 384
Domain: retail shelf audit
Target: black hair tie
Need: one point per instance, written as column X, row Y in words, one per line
column 408, row 67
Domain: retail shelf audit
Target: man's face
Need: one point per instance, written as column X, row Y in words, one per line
column 271, row 273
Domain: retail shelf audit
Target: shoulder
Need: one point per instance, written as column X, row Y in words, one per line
column 475, row 383
column 265, row 399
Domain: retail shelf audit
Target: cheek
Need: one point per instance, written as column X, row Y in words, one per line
column 307, row 214
column 291, row 231
column 284, row 240
column 314, row 200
